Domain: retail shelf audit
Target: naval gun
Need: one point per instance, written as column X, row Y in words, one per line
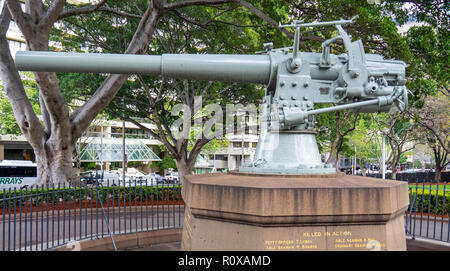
column 295, row 81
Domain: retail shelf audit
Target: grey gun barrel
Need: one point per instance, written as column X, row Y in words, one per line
column 234, row 68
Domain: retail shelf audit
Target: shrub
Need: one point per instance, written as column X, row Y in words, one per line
column 43, row 195
column 428, row 199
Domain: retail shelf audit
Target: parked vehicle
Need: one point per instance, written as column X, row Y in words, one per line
column 100, row 178
column 171, row 177
column 145, row 181
column 111, row 176
column 17, row 174
column 90, row 181
column 156, row 176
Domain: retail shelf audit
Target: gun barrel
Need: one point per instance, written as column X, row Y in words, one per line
column 235, row 68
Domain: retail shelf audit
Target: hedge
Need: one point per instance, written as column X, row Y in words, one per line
column 413, row 177
column 90, row 193
column 428, row 198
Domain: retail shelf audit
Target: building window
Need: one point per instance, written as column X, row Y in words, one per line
column 237, row 144
column 222, row 157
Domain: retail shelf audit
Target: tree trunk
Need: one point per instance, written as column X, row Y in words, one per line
column 440, row 158
column 422, row 159
column 363, row 167
column 337, row 137
column 437, row 174
column 54, row 167
column 53, row 144
column 54, row 141
column 394, row 167
column 394, row 173
column 184, row 168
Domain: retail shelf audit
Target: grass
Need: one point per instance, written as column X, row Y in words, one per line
column 434, row 187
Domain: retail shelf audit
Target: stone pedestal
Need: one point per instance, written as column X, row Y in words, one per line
column 238, row 211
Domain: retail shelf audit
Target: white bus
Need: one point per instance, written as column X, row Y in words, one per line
column 17, row 173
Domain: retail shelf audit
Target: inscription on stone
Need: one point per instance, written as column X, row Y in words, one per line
column 334, row 240
column 187, row 232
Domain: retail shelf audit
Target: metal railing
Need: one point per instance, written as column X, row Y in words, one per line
column 50, row 216
column 427, row 215
column 412, row 177
column 428, row 212
column 118, row 135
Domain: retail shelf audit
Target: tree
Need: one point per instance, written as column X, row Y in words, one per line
column 379, row 34
column 8, row 124
column 54, row 140
column 221, row 29
column 367, row 141
column 434, row 120
column 155, row 100
column 429, row 76
column 166, row 163
column 400, row 134
column 338, row 126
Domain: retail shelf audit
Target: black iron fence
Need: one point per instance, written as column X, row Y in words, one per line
column 413, row 177
column 428, row 212
column 429, row 204
column 49, row 216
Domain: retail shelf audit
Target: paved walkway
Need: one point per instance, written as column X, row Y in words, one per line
column 426, row 245
column 412, row 245
column 174, row 246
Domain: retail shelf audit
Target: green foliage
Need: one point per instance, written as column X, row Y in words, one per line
column 127, row 194
column 417, row 164
column 428, row 199
column 166, row 163
column 261, row 31
column 215, row 145
column 230, row 28
column 428, row 70
column 433, row 12
column 403, row 157
column 89, row 165
column 8, row 123
column 223, row 34
column 365, row 138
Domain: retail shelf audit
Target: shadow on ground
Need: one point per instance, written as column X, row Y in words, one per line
column 412, row 245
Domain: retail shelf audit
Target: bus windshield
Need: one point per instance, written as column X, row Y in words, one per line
column 13, row 171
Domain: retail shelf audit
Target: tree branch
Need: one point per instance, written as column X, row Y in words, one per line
column 266, row 18
column 25, row 116
column 120, row 13
column 5, row 18
column 197, row 148
column 82, row 10
column 22, row 19
column 106, row 92
column 186, row 3
column 52, row 13
column 189, row 20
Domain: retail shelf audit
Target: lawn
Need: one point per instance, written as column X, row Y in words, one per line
column 433, row 187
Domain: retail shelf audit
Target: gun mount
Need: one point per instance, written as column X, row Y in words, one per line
column 295, row 81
